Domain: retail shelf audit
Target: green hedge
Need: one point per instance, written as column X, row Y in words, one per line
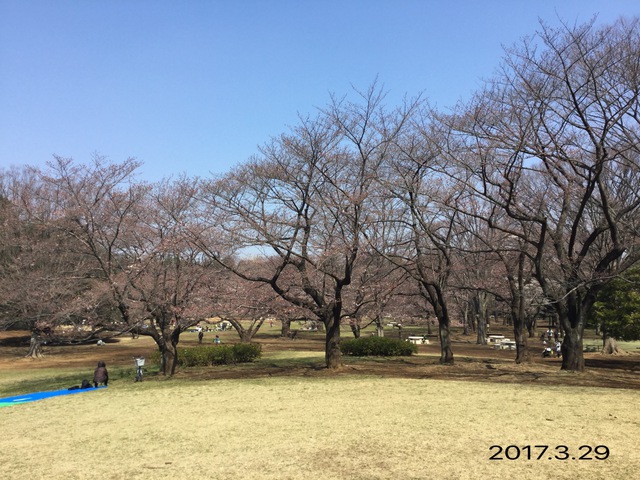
column 377, row 346
column 219, row 354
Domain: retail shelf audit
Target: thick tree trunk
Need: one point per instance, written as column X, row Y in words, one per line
column 333, row 355
column 610, row 347
column 379, row 328
column 439, row 304
column 35, row 347
column 446, row 354
column 481, row 307
column 572, row 354
column 168, row 346
column 481, row 338
column 285, row 330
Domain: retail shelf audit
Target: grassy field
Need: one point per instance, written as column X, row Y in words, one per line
column 332, row 428
column 311, row 424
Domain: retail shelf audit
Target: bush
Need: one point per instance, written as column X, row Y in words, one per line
column 246, row 352
column 219, row 354
column 377, row 346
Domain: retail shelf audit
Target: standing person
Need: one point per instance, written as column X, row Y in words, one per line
column 100, row 375
column 558, row 349
column 200, row 336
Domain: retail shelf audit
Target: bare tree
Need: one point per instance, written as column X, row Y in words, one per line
column 45, row 284
column 133, row 234
column 377, row 284
column 169, row 279
column 423, row 208
column 497, row 265
column 304, row 205
column 247, row 305
column 554, row 143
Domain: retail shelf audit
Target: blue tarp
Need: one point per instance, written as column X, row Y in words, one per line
column 32, row 397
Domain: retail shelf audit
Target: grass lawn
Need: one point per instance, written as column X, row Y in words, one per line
column 333, row 428
column 286, row 418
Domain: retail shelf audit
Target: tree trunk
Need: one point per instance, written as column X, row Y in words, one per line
column 333, row 355
column 572, row 354
column 472, row 323
column 285, row 330
column 610, row 347
column 35, row 347
column 246, row 334
column 481, row 311
column 379, row 328
column 465, row 322
column 522, row 346
column 446, row 354
column 520, row 322
column 355, row 328
column 168, row 346
column 531, row 326
column 439, row 304
column 481, row 338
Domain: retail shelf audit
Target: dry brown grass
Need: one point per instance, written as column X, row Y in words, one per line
column 333, row 428
column 285, row 418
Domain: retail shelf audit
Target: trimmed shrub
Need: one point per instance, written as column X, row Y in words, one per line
column 246, row 352
column 377, row 346
column 219, row 354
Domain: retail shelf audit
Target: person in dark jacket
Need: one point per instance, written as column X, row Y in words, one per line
column 101, row 375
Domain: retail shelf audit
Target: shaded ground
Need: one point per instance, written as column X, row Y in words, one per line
column 472, row 362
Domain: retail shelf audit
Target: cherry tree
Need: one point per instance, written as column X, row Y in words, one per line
column 553, row 143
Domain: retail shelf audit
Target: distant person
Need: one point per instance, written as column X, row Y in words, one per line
column 217, row 339
column 200, row 336
column 558, row 349
column 100, row 375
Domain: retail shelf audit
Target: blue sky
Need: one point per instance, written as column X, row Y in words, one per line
column 195, row 86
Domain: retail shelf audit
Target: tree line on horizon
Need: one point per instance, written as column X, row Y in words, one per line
column 525, row 196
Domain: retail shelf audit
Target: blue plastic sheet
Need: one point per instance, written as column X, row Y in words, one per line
column 32, row 397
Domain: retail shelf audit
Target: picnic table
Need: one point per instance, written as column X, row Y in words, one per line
column 508, row 345
column 496, row 339
column 418, row 340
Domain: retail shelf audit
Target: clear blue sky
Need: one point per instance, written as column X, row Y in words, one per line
column 195, row 86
